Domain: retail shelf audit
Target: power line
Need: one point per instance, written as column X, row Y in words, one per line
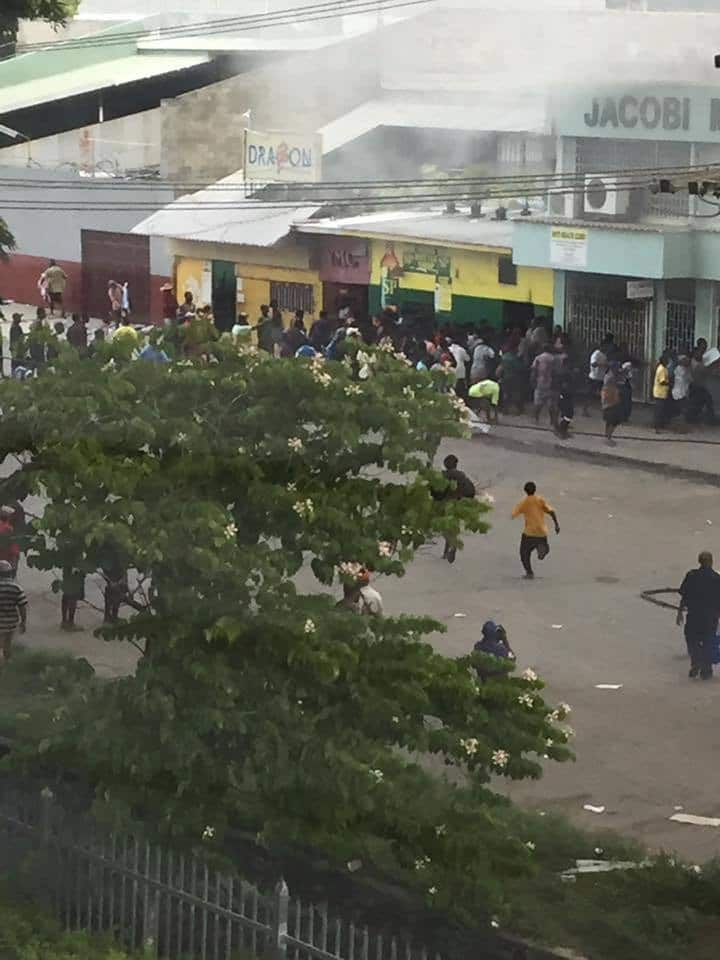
column 52, row 206
column 419, row 191
column 305, row 14
column 545, row 181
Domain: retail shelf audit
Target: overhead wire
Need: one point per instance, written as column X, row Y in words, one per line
column 548, row 180
column 309, row 13
column 187, row 204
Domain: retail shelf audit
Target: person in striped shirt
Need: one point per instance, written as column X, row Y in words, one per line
column 13, row 608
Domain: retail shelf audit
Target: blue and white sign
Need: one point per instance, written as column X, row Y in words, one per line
column 283, row 157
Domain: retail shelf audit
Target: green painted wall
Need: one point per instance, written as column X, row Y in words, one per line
column 466, row 311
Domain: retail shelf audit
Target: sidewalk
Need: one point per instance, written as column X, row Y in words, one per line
column 686, row 452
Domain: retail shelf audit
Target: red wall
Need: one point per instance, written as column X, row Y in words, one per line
column 19, row 280
column 19, row 277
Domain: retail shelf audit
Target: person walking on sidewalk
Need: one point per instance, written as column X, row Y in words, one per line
column 55, row 280
column 535, row 535
column 661, row 392
column 700, row 599
column 13, row 609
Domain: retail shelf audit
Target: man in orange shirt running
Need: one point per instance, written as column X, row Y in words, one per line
column 535, row 534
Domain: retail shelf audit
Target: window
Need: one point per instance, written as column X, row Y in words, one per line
column 507, row 271
column 293, row 296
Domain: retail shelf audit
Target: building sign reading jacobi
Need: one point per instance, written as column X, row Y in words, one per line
column 653, row 113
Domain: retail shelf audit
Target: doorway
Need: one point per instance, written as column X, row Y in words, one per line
column 353, row 295
column 224, row 294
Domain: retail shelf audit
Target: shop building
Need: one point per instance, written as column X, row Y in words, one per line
column 642, row 264
column 236, row 254
column 436, row 266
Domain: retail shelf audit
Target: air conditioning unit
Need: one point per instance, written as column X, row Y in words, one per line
column 560, row 203
column 605, row 196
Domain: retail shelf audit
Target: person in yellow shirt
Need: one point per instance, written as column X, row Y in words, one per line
column 661, row 392
column 535, row 535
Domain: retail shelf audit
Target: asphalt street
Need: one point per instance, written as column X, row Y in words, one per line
column 642, row 750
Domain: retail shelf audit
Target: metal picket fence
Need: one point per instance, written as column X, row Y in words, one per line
column 166, row 904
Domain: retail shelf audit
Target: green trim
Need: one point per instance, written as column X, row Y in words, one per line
column 466, row 311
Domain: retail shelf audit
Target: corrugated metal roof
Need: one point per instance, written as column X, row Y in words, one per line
column 96, row 76
column 525, row 114
column 422, row 226
column 253, row 224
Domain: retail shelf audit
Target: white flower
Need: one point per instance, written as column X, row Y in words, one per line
column 564, row 708
column 197, row 418
column 487, row 498
column 696, row 869
column 432, row 891
column 350, row 568
column 530, row 845
column 181, row 438
column 549, row 742
column 440, row 830
column 396, row 719
column 94, row 418
column 291, row 487
column 353, row 390
column 406, row 531
column 304, row 508
column 231, row 531
column 494, row 924
column 321, row 376
column 599, row 851
column 554, row 716
column 526, row 700
column 241, row 450
column 409, row 392
column 421, row 863
column 309, row 626
column 377, row 775
column 208, row 833
column 295, row 444
column 404, row 415
column 529, row 675
column 385, row 548
column 500, row 758
column 469, row 746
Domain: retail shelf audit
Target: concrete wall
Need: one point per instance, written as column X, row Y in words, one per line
column 202, row 131
column 131, row 142
column 41, row 234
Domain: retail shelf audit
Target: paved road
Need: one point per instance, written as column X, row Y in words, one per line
column 644, row 749
column 641, row 750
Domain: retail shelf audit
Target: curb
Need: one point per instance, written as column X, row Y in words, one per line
column 598, row 456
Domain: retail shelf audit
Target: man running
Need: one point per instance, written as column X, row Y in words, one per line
column 535, row 534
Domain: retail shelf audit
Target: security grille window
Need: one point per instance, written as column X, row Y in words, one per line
column 507, row 271
column 293, row 296
column 600, row 156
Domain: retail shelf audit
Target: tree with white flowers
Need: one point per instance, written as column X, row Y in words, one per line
column 259, row 705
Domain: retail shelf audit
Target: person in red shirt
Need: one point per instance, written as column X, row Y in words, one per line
column 9, row 548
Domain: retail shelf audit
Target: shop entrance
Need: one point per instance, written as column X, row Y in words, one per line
column 339, row 295
column 596, row 306
column 224, row 294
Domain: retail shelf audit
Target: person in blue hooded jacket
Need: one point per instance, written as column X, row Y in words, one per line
column 493, row 642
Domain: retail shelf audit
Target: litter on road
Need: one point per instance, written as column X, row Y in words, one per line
column 591, row 808
column 696, row 821
column 608, row 686
column 557, row 626
column 460, row 615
